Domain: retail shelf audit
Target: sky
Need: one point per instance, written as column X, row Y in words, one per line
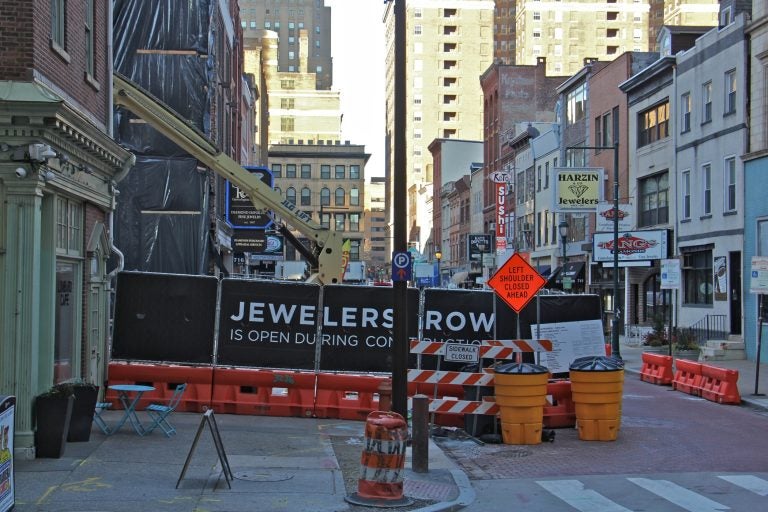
column 357, row 48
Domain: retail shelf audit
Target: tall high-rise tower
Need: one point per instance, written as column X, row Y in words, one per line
column 449, row 44
column 287, row 19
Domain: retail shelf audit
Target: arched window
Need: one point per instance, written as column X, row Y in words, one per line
column 325, row 197
column 339, row 197
column 290, row 195
column 306, row 196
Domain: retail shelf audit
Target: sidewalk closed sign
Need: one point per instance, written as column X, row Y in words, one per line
column 516, row 282
column 460, row 353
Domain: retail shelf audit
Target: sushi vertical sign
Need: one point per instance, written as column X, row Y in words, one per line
column 500, row 180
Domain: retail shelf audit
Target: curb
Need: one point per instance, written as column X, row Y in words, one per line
column 466, row 495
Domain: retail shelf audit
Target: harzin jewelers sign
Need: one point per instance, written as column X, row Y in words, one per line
column 578, row 189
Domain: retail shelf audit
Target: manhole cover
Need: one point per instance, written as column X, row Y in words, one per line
column 514, row 453
column 262, row 476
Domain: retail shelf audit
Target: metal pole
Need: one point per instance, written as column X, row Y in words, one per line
column 420, row 426
column 615, row 350
column 759, row 343
column 400, row 346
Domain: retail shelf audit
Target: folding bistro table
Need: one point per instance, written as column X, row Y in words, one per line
column 124, row 392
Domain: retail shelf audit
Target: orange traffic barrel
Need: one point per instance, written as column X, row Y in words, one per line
column 521, row 393
column 382, row 465
column 596, row 385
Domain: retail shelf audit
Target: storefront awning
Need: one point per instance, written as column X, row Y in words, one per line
column 544, row 270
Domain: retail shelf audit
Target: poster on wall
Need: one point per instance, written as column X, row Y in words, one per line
column 571, row 340
column 7, row 497
column 720, row 274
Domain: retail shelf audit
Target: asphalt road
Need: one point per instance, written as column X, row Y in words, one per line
column 674, row 452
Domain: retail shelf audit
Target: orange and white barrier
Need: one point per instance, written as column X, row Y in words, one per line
column 382, row 464
column 688, row 377
column 656, row 369
column 720, row 385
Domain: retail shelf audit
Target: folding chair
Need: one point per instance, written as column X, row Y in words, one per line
column 159, row 413
column 100, row 406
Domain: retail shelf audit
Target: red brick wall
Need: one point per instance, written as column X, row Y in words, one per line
column 25, row 45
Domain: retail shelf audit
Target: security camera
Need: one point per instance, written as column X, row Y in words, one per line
column 21, row 172
column 49, row 175
column 40, row 152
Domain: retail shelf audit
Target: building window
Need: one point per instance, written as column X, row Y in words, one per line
column 604, row 130
column 325, row 197
column 339, row 197
column 338, row 221
column 730, row 184
column 354, row 222
column 546, row 175
column 354, row 196
column 286, row 124
column 685, row 191
column 286, row 103
column 576, row 103
column 536, row 16
column 730, row 92
column 354, row 172
column 653, row 124
column 277, row 170
column 654, row 200
column 697, row 277
column 325, row 220
column 706, row 102
column 58, row 23
column 706, row 182
column 69, row 227
column 417, row 30
column 325, row 172
column 685, row 112
column 306, row 171
column 318, row 69
column 290, row 170
column 290, row 195
column 90, row 48
column 306, row 197
column 340, row 172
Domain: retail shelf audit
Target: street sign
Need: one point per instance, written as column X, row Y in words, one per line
column 516, row 282
column 670, row 274
column 462, row 353
column 759, row 275
column 401, row 266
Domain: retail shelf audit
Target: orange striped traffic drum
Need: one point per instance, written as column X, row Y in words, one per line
column 382, row 462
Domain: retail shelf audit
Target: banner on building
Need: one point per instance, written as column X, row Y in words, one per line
column 606, row 213
column 578, row 189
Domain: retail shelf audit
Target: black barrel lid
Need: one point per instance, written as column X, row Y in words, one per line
column 526, row 368
column 597, row 364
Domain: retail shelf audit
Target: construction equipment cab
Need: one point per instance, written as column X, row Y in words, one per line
column 326, row 256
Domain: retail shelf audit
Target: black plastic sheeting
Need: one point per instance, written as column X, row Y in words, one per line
column 271, row 324
column 164, row 47
column 520, row 368
column 597, row 364
column 162, row 217
column 168, row 318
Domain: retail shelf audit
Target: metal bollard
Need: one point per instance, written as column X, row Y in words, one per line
column 420, row 438
column 385, row 395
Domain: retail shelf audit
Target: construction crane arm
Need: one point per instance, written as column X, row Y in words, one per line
column 172, row 125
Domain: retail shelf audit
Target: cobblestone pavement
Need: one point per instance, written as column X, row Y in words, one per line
column 661, row 430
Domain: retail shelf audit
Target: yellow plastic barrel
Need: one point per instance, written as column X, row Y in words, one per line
column 596, row 386
column 521, row 393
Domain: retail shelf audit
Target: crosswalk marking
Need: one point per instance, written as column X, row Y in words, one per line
column 678, row 495
column 748, row 482
column 586, row 500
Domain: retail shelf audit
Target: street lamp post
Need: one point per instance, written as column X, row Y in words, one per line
column 438, row 257
column 615, row 349
column 481, row 247
column 562, row 228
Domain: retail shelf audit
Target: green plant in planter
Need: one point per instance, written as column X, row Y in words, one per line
column 684, row 340
column 658, row 336
column 53, row 410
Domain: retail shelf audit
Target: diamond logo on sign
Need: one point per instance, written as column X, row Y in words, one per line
column 516, row 282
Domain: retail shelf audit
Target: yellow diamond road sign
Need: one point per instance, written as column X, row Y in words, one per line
column 516, row 282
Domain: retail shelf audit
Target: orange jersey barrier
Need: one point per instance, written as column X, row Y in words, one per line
column 688, row 377
column 657, row 369
column 559, row 411
column 347, row 396
column 720, row 385
column 263, row 392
